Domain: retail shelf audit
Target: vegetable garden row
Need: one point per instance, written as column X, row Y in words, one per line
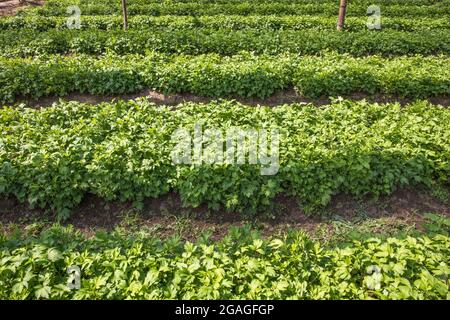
column 244, row 75
column 241, row 8
column 222, row 22
column 123, row 151
column 53, row 3
column 55, row 157
column 14, row 43
column 235, row 268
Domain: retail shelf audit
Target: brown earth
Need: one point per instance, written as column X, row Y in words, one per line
column 166, row 216
column 11, row 7
column 278, row 98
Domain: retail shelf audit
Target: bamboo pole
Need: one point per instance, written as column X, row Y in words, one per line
column 341, row 18
column 125, row 15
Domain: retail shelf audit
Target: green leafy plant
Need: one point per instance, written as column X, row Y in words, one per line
column 225, row 22
column 121, row 151
column 245, row 75
column 241, row 266
column 25, row 42
column 155, row 8
column 437, row 224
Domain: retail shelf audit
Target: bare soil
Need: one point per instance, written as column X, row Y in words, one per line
column 166, row 216
column 11, row 7
column 279, row 98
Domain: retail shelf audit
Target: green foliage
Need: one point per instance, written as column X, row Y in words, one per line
column 52, row 158
column 224, row 23
column 244, row 75
column 122, row 151
column 155, row 8
column 437, row 224
column 23, row 43
column 241, row 266
column 338, row 231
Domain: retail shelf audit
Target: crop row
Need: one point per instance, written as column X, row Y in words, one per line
column 124, row 151
column 244, row 75
column 202, row 41
column 238, row 267
column 221, row 22
column 59, row 3
column 245, row 8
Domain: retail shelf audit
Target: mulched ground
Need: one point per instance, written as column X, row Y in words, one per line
column 165, row 216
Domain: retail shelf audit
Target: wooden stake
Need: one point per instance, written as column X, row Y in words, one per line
column 341, row 18
column 125, row 15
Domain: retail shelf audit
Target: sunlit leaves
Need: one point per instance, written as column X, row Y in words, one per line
column 121, row 151
column 244, row 74
column 234, row 268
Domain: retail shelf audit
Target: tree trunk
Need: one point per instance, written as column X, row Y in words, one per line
column 341, row 19
column 125, row 15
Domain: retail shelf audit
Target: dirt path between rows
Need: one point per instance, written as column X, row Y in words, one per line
column 11, row 7
column 279, row 98
column 166, row 216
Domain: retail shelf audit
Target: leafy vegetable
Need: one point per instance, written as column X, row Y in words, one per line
column 241, row 267
column 122, row 151
column 245, row 75
column 23, row 43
